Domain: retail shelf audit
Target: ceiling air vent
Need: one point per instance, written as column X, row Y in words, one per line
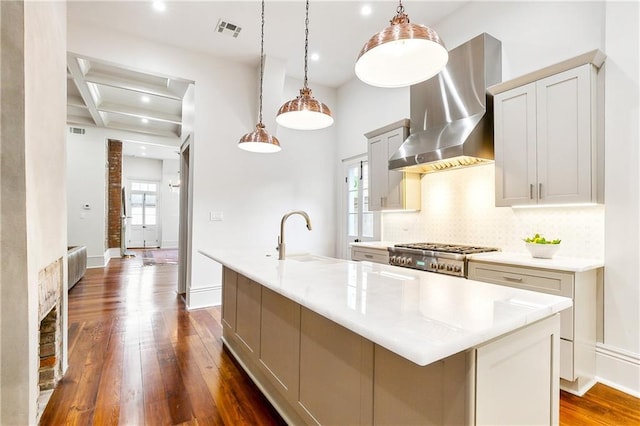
column 76, row 130
column 224, row 27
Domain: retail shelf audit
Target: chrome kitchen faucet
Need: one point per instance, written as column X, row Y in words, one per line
column 281, row 245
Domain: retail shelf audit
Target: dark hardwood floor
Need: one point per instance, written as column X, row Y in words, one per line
column 138, row 357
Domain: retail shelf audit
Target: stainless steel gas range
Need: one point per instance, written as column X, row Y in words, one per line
column 434, row 257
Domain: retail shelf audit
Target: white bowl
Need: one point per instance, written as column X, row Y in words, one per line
column 542, row 251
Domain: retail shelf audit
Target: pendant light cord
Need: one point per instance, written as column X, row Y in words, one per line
column 400, row 9
column 261, row 63
column 306, row 44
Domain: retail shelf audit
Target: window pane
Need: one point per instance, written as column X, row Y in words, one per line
column 151, row 187
column 367, row 225
column 136, row 199
column 352, row 223
column 365, row 197
column 150, row 200
column 353, row 202
column 353, row 179
column 365, row 175
column 135, row 186
column 136, row 215
column 150, row 216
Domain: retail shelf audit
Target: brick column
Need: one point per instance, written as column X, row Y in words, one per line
column 114, row 195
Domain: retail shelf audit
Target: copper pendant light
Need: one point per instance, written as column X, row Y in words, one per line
column 402, row 54
column 260, row 140
column 305, row 112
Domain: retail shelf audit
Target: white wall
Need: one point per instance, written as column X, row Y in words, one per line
column 86, row 184
column 534, row 35
column 170, row 199
column 34, row 41
column 252, row 191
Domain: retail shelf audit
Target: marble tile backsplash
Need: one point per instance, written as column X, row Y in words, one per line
column 458, row 206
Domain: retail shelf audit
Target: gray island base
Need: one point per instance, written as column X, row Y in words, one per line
column 342, row 366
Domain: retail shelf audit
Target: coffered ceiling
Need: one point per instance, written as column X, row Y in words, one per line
column 106, row 95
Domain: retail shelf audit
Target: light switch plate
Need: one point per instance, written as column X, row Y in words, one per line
column 215, row 216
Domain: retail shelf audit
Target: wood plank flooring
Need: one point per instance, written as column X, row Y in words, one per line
column 138, row 357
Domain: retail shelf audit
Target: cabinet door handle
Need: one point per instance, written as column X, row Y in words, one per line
column 539, row 191
column 368, row 256
column 531, row 191
column 513, row 278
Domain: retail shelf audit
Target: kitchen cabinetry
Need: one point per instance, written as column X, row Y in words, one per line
column 390, row 189
column 577, row 324
column 248, row 313
column 546, row 138
column 371, row 254
column 316, row 371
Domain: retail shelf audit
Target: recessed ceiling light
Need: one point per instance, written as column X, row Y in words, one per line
column 145, row 99
column 366, row 10
column 159, row 6
column 144, row 120
column 314, row 57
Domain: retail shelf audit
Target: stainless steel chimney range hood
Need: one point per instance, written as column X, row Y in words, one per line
column 451, row 113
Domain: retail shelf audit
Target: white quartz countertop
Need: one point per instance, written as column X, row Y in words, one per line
column 421, row 316
column 558, row 263
column 381, row 245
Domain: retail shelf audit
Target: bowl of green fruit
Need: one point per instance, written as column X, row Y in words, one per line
column 540, row 247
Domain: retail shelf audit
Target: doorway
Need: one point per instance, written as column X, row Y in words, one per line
column 358, row 223
column 143, row 228
column 184, row 232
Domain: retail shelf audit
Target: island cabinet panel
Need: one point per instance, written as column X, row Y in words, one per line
column 499, row 371
column 336, row 368
column 248, row 313
column 409, row 394
column 229, row 295
column 280, row 342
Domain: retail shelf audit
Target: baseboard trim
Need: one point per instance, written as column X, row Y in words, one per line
column 204, row 297
column 168, row 244
column 113, row 252
column 97, row 261
column 618, row 368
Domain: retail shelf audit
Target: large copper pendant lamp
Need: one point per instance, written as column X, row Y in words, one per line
column 260, row 140
column 402, row 54
column 305, row 112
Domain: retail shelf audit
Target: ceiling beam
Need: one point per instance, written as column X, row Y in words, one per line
column 140, row 113
column 83, row 88
column 136, row 86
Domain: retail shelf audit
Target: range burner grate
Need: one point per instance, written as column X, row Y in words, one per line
column 446, row 248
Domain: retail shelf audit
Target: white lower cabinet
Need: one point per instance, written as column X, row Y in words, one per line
column 577, row 324
column 371, row 254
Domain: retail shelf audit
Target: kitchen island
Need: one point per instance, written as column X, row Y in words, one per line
column 330, row 341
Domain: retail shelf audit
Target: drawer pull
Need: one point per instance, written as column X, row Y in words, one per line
column 512, row 278
column 368, row 256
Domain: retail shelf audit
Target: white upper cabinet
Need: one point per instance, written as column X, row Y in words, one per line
column 546, row 149
column 390, row 189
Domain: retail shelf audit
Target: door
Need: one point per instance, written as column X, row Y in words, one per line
column 184, row 237
column 515, row 146
column 144, row 214
column 360, row 223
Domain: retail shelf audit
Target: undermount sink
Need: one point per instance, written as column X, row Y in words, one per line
column 311, row 258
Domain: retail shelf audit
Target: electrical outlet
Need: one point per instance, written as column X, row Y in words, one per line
column 215, row 216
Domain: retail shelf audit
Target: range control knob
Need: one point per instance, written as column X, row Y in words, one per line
column 457, row 269
column 440, row 265
column 403, row 260
column 409, row 261
column 392, row 260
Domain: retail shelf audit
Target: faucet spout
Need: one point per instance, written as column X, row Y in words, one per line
column 281, row 244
